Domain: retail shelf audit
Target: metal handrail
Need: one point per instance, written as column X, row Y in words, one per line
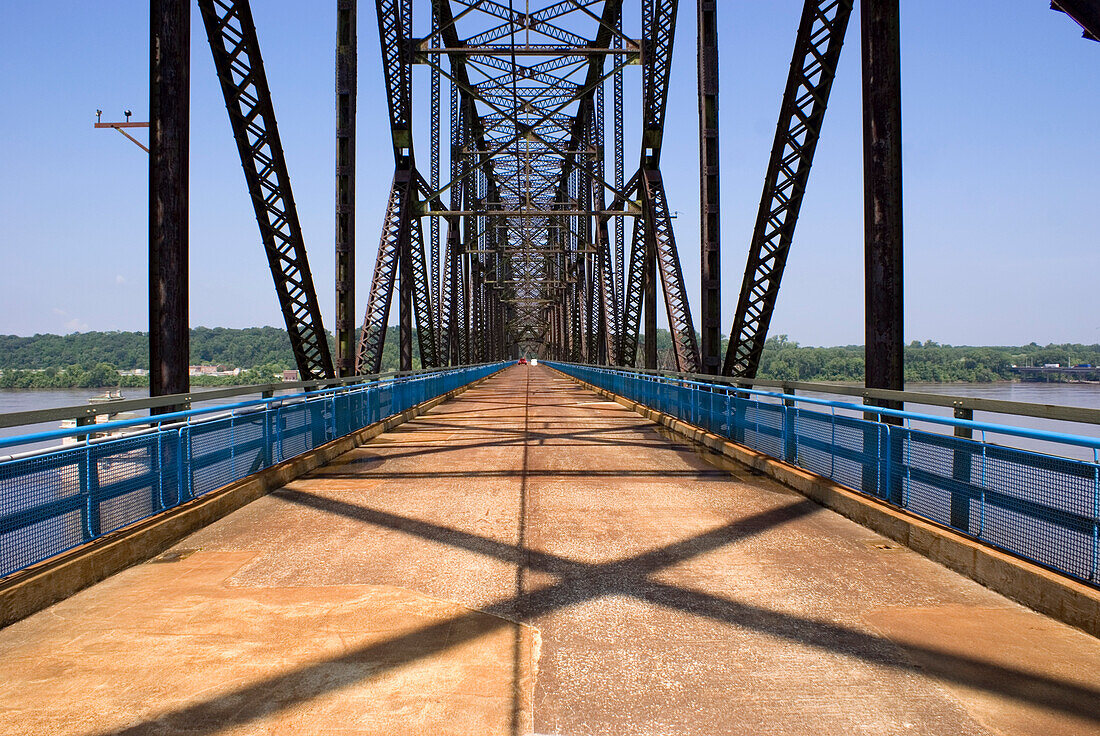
column 41, row 416
column 1002, row 429
column 189, row 414
column 994, row 406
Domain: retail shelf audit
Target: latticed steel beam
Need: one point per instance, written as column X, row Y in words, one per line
column 433, row 180
column 633, row 293
column 426, row 335
column 813, row 68
column 659, row 28
column 401, row 257
column 236, row 50
column 659, row 230
column 372, row 338
column 394, row 31
column 617, row 109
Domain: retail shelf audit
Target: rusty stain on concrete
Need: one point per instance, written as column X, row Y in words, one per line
column 529, row 558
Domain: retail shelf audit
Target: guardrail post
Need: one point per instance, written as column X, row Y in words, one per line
column 83, row 476
column 187, row 461
column 896, row 438
column 737, row 431
column 1095, row 515
column 872, row 454
column 790, row 439
column 181, row 484
column 89, row 485
column 961, row 467
column 233, row 445
column 278, row 436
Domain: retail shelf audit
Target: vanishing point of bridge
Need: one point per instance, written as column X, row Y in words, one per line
column 604, row 541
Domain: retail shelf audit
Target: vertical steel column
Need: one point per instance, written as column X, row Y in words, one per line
column 617, row 124
column 433, row 175
column 169, row 132
column 346, row 65
column 961, row 472
column 710, row 320
column 882, row 181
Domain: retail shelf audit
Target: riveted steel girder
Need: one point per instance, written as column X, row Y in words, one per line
column 813, row 68
column 231, row 32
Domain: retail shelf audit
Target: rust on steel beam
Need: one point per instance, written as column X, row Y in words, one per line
column 882, row 181
column 231, row 32
column 346, row 62
column 169, row 134
column 817, row 49
column 710, row 303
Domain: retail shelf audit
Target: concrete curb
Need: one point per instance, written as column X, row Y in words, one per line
column 1034, row 586
column 30, row 590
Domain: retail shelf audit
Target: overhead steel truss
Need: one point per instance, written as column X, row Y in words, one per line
column 530, row 264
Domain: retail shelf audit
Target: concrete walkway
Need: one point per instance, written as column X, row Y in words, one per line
column 530, row 556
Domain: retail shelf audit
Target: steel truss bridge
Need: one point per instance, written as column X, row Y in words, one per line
column 537, row 237
column 520, row 554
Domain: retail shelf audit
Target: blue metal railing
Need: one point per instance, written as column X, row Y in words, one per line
column 1042, row 507
column 55, row 499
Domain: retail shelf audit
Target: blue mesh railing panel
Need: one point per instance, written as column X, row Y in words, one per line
column 55, row 500
column 1042, row 507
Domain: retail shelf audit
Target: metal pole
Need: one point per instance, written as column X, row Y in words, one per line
column 169, row 117
column 711, row 277
column 346, row 51
column 882, row 180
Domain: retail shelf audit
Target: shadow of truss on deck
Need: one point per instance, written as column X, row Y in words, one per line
column 578, row 582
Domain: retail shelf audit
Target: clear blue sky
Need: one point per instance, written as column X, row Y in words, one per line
column 1001, row 169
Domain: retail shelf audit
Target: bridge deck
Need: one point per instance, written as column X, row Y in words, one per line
column 529, row 555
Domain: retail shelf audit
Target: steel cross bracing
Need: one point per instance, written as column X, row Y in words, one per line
column 529, row 265
column 813, row 68
column 236, row 50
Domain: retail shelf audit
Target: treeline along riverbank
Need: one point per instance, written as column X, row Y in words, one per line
column 94, row 359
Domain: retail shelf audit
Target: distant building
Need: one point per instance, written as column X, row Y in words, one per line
column 212, row 370
column 290, row 376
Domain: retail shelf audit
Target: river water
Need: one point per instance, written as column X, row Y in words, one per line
column 1066, row 394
